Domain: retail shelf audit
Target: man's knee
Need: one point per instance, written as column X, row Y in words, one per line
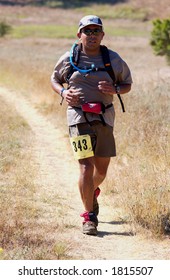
column 86, row 166
column 101, row 172
column 101, row 167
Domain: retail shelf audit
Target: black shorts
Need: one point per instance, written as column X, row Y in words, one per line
column 102, row 137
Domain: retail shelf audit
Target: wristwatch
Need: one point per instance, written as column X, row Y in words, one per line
column 61, row 92
column 117, row 88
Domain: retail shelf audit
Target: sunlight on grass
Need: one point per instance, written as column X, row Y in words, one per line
column 44, row 31
column 69, row 32
column 116, row 12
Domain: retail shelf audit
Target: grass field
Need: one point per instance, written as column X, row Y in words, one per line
column 140, row 172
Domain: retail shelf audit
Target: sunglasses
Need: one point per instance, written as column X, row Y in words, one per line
column 89, row 32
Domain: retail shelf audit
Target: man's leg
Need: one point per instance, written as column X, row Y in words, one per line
column 86, row 186
column 100, row 170
column 93, row 171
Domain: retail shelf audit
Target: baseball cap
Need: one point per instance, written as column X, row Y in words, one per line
column 88, row 20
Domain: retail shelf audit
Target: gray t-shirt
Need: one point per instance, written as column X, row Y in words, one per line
column 87, row 84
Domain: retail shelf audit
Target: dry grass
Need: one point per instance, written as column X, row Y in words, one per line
column 16, row 185
column 138, row 177
column 23, row 232
column 141, row 170
column 143, row 163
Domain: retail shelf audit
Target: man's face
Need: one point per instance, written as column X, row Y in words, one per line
column 91, row 36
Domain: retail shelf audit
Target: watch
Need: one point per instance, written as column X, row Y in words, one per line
column 117, row 88
column 61, row 92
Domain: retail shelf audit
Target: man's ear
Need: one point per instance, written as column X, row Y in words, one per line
column 79, row 35
column 103, row 35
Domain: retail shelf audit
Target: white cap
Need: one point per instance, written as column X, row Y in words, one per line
column 88, row 20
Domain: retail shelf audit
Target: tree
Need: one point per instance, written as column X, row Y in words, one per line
column 161, row 38
column 4, row 28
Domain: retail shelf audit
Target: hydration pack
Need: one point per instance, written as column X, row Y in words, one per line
column 74, row 60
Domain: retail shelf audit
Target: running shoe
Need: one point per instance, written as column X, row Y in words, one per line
column 90, row 223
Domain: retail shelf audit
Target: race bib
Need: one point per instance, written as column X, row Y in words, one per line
column 82, row 146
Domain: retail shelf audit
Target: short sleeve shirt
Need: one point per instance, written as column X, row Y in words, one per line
column 87, row 84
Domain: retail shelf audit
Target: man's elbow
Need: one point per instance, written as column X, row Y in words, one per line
column 129, row 86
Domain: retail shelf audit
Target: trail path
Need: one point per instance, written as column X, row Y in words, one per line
column 57, row 176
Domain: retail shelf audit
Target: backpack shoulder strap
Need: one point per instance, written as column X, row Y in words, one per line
column 75, row 59
column 107, row 63
column 109, row 69
column 76, row 53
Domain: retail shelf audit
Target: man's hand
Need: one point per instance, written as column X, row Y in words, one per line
column 106, row 87
column 72, row 97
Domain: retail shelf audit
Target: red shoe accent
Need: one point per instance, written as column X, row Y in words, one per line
column 97, row 192
column 89, row 217
column 86, row 217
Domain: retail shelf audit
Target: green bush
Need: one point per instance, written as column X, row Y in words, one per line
column 4, row 28
column 160, row 40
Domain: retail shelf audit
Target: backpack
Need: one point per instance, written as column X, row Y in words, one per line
column 74, row 60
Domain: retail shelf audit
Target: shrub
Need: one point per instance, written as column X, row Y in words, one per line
column 161, row 38
column 4, row 28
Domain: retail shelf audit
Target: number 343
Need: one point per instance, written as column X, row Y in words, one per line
column 82, row 146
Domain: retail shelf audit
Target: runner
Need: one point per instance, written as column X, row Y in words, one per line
column 90, row 112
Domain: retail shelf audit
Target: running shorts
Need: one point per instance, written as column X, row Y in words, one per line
column 102, row 138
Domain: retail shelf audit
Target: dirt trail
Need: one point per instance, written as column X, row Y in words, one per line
column 58, row 174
